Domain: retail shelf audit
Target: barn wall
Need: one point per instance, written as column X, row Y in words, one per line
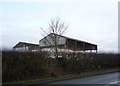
column 49, row 40
column 23, row 48
column 76, row 45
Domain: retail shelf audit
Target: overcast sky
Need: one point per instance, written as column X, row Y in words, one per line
column 94, row 21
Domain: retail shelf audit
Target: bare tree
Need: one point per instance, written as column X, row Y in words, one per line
column 56, row 26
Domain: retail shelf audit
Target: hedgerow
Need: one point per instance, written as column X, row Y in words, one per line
column 17, row 66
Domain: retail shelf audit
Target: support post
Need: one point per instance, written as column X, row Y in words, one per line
column 91, row 51
column 96, row 51
column 83, row 47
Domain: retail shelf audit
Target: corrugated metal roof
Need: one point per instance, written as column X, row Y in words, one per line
column 69, row 38
column 24, row 43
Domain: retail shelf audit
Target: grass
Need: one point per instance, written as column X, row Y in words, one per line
column 52, row 78
column 90, row 72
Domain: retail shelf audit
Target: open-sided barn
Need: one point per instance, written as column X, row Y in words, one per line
column 23, row 46
column 65, row 43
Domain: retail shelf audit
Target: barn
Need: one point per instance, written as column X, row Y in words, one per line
column 65, row 44
column 23, row 46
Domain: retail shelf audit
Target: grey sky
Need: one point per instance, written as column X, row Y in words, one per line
column 95, row 21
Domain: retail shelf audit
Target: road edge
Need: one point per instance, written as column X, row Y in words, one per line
column 64, row 78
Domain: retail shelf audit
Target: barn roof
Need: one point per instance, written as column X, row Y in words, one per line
column 20, row 44
column 68, row 38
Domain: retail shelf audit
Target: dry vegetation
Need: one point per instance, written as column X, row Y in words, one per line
column 19, row 66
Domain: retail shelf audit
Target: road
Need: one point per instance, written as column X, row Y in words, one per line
column 110, row 78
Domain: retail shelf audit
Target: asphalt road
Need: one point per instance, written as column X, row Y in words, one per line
column 109, row 79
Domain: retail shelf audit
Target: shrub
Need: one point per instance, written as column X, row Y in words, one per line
column 32, row 65
column 23, row 65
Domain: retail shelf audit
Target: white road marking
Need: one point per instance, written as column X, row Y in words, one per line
column 116, row 82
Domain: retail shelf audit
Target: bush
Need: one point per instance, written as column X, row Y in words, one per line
column 18, row 66
column 23, row 65
column 91, row 61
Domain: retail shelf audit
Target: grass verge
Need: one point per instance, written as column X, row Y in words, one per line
column 63, row 76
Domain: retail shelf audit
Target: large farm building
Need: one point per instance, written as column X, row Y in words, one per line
column 64, row 44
